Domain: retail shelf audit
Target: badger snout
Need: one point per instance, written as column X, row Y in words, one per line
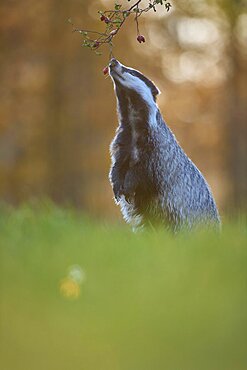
column 115, row 68
column 113, row 63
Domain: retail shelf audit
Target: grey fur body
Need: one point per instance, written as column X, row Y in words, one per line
column 153, row 180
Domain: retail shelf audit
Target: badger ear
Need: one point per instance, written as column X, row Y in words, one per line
column 155, row 91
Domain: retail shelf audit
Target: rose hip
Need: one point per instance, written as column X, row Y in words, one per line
column 140, row 38
column 105, row 70
column 96, row 44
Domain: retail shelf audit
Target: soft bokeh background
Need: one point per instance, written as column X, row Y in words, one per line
column 77, row 289
column 82, row 295
column 57, row 111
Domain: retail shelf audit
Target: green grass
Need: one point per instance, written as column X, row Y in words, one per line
column 147, row 301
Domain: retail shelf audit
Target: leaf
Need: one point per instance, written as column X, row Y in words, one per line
column 86, row 43
column 117, row 6
column 126, row 14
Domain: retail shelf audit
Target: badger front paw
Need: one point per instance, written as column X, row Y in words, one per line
column 129, row 188
column 121, row 191
column 129, row 197
column 118, row 192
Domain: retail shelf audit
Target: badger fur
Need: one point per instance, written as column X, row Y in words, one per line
column 153, row 180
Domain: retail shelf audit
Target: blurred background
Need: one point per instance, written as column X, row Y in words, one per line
column 76, row 293
column 58, row 112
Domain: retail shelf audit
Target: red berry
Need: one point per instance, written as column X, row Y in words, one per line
column 96, row 44
column 140, row 38
column 105, row 70
column 102, row 18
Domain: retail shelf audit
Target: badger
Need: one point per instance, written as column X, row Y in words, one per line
column 153, row 180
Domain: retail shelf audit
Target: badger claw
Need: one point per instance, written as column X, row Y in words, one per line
column 129, row 197
column 118, row 193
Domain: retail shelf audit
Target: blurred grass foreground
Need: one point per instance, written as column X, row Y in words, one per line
column 76, row 294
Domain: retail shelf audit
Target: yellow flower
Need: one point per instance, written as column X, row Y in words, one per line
column 69, row 288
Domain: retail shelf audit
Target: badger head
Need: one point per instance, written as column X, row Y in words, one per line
column 132, row 81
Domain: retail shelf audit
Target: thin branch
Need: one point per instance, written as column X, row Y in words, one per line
column 114, row 20
column 136, row 4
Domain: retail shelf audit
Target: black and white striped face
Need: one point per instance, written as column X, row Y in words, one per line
column 131, row 79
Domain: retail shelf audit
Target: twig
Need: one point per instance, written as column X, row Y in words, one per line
column 114, row 20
